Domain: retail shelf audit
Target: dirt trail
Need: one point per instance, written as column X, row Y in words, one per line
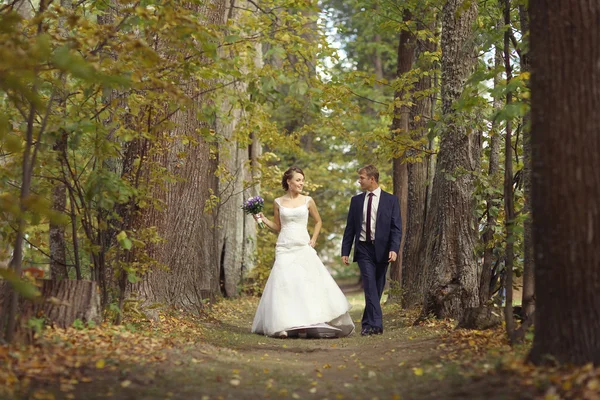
column 231, row 363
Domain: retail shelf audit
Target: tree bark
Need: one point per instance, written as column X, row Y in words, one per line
column 234, row 226
column 565, row 87
column 58, row 259
column 450, row 228
column 232, row 160
column 250, row 227
column 190, row 249
column 61, row 303
column 509, row 206
column 400, row 128
column 528, row 293
column 493, row 200
column 414, row 278
column 253, row 175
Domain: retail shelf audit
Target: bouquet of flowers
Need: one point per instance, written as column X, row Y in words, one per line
column 254, row 205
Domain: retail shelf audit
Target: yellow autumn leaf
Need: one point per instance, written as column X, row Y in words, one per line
column 125, row 383
column 418, row 371
column 100, row 364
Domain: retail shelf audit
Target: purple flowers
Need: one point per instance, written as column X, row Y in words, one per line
column 254, row 205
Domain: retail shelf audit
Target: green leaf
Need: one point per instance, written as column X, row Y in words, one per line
column 124, row 240
column 232, row 38
column 126, row 244
column 13, row 143
column 132, row 277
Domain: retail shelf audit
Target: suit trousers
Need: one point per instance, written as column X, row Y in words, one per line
column 373, row 278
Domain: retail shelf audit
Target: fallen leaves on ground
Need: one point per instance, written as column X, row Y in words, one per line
column 489, row 351
column 65, row 358
column 72, row 355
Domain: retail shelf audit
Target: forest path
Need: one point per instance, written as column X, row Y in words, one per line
column 228, row 362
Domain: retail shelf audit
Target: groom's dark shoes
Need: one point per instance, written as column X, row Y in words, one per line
column 368, row 331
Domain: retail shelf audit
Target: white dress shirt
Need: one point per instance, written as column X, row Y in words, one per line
column 374, row 207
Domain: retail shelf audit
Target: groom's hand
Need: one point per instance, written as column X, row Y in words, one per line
column 392, row 256
column 345, row 260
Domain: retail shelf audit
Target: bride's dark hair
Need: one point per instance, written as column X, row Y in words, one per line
column 289, row 174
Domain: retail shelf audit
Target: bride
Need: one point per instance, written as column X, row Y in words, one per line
column 300, row 297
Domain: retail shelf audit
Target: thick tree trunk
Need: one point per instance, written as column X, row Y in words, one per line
column 190, row 249
column 528, row 293
column 565, row 87
column 234, row 226
column 450, row 228
column 61, row 303
column 414, row 278
column 400, row 130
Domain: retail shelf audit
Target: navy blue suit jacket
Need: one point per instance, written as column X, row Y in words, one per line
column 388, row 231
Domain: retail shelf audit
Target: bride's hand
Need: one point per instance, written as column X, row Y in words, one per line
column 259, row 215
column 312, row 243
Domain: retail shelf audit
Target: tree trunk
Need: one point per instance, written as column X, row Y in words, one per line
column 377, row 61
column 252, row 175
column 450, row 228
column 414, row 278
column 528, row 293
column 400, row 129
column 250, row 226
column 61, row 303
column 232, row 161
column 58, row 248
column 509, row 206
column 9, row 308
column 190, row 248
column 234, row 225
column 400, row 179
column 565, row 87
column 58, row 258
column 493, row 200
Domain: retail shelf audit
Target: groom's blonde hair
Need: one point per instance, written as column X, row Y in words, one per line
column 371, row 171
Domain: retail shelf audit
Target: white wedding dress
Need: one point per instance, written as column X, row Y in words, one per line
column 300, row 294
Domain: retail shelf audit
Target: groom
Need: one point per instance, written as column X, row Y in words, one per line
column 375, row 228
